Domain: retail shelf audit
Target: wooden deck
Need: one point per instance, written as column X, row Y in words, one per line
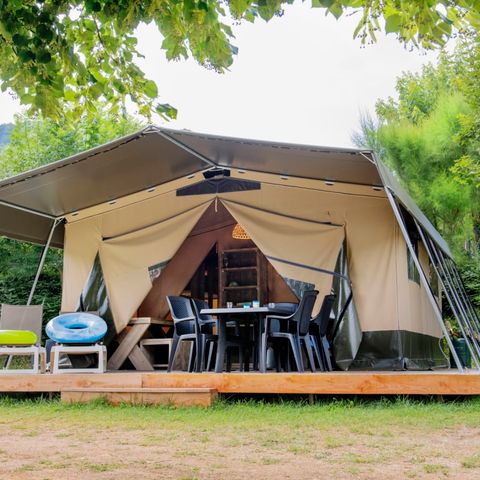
column 333, row 383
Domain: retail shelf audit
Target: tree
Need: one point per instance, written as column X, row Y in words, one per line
column 467, row 167
column 57, row 53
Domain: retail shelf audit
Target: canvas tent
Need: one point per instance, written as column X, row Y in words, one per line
column 123, row 210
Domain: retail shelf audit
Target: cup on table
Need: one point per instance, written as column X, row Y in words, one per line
column 255, row 304
column 229, row 304
column 271, row 305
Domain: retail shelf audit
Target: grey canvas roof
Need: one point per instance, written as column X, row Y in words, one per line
column 30, row 201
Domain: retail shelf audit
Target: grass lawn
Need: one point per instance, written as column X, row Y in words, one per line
column 337, row 439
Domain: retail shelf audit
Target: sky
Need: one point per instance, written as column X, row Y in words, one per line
column 299, row 78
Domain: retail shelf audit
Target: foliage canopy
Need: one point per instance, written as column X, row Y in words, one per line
column 58, row 53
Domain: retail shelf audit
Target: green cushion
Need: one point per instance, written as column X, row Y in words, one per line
column 17, row 337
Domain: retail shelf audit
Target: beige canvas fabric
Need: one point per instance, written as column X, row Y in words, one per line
column 82, row 241
column 371, row 246
column 415, row 311
column 286, row 241
column 370, row 230
column 125, row 260
column 119, row 236
column 147, row 228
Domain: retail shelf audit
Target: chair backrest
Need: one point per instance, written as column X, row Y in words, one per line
column 323, row 317
column 22, row 317
column 303, row 314
column 198, row 305
column 181, row 310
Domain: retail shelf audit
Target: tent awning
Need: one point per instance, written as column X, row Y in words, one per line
column 29, row 202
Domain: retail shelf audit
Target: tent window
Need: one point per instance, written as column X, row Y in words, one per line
column 413, row 274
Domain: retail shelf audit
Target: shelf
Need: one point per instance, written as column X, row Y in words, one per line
column 241, row 250
column 240, row 287
column 239, row 269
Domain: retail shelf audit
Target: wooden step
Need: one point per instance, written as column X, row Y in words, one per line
column 178, row 397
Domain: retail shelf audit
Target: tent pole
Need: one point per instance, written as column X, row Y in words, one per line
column 28, row 210
column 452, row 297
column 450, row 265
column 187, row 149
column 463, row 301
column 42, row 258
column 423, row 278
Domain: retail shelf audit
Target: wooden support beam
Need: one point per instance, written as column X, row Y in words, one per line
column 328, row 383
column 178, row 397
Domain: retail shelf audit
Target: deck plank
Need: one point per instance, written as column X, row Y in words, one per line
column 331, row 383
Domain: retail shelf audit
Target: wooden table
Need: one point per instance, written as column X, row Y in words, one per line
column 128, row 344
column 257, row 314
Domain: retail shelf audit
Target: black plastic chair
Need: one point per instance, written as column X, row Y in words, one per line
column 186, row 328
column 206, row 324
column 318, row 330
column 295, row 328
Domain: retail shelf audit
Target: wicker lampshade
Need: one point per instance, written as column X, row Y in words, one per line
column 239, row 233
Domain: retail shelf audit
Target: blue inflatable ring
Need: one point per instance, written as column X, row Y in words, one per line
column 78, row 327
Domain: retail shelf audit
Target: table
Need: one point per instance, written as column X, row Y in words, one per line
column 223, row 314
column 128, row 343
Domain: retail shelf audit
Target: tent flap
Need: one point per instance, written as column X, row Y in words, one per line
column 303, row 252
column 127, row 259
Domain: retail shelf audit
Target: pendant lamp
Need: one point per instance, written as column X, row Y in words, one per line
column 239, row 233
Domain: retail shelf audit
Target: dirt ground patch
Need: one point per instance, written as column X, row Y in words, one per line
column 331, row 440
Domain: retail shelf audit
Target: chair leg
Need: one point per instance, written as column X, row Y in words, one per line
column 191, row 357
column 288, row 360
column 263, row 355
column 308, row 348
column 210, row 355
column 241, row 358
column 8, row 362
column 199, row 353
column 246, row 367
column 297, row 354
column 173, row 353
column 326, row 352
column 318, row 353
column 229, row 359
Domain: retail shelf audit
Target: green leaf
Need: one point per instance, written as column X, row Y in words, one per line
column 166, row 111
column 26, row 55
column 97, row 75
column 20, row 40
column 44, row 32
column 336, row 10
column 392, row 23
column 69, row 95
column 43, row 56
column 150, row 89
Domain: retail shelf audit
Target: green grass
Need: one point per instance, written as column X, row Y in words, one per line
column 356, row 416
column 471, row 462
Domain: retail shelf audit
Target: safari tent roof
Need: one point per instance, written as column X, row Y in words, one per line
column 29, row 202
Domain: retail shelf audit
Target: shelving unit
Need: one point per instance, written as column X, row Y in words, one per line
column 243, row 276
